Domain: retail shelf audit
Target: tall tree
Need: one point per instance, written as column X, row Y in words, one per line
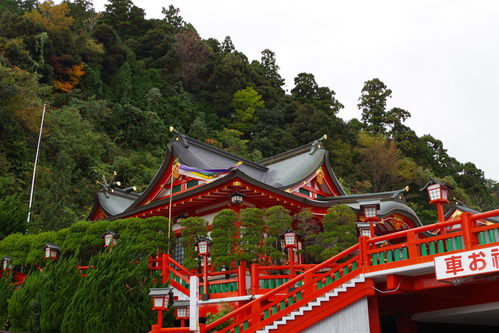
column 224, row 238
column 373, row 105
column 269, row 63
column 245, row 104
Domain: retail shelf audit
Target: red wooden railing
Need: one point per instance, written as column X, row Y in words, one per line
column 291, row 295
column 405, row 248
column 412, row 246
column 266, row 278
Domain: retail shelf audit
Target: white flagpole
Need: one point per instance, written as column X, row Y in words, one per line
column 34, row 167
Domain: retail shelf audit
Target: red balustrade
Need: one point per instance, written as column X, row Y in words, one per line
column 399, row 249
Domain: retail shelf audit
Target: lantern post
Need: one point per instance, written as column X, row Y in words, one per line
column 369, row 209
column 161, row 298
column 438, row 193
column 52, row 251
column 291, row 243
column 183, row 315
column 203, row 246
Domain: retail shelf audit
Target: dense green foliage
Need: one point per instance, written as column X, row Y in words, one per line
column 340, row 232
column 115, row 81
column 55, row 298
column 223, row 236
column 277, row 221
column 194, row 227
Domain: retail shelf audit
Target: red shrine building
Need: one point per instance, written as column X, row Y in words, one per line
column 402, row 276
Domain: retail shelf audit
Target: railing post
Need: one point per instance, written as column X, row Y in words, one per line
column 165, row 268
column 412, row 244
column 467, row 226
column 255, row 283
column 363, row 256
column 241, row 279
column 255, row 311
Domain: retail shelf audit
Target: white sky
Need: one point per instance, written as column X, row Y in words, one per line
column 440, row 58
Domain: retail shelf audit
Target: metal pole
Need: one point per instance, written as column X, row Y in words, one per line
column 34, row 168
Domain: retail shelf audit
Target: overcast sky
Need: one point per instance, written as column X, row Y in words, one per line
column 440, row 58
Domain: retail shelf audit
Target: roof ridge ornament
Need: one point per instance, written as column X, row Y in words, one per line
column 317, row 144
column 179, row 135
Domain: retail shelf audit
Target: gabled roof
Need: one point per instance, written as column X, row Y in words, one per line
column 281, row 171
column 114, row 202
column 275, row 174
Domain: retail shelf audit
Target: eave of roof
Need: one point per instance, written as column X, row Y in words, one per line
column 242, row 176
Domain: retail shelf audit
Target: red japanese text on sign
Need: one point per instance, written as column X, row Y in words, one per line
column 467, row 263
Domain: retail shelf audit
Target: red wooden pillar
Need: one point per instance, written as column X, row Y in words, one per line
column 205, row 274
column 372, row 305
column 291, row 256
column 467, row 226
column 255, row 283
column 412, row 244
column 241, row 279
column 165, row 266
column 364, row 259
column 440, row 211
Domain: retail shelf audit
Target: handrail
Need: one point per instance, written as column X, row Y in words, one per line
column 291, row 283
column 485, row 215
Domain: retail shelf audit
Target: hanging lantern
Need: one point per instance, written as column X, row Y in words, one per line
column 236, row 198
column 437, row 191
column 110, row 238
column 51, row 251
column 161, row 298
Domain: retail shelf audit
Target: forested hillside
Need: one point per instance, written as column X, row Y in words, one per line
column 115, row 81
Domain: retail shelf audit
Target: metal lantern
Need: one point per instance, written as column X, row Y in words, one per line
column 437, row 191
column 438, row 194
column 182, row 313
column 290, row 239
column 51, row 251
column 160, row 298
column 203, row 248
column 236, row 198
column 364, row 229
column 6, row 263
column 110, row 238
column 370, row 210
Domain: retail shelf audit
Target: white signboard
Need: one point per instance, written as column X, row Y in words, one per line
column 467, row 263
column 194, row 304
